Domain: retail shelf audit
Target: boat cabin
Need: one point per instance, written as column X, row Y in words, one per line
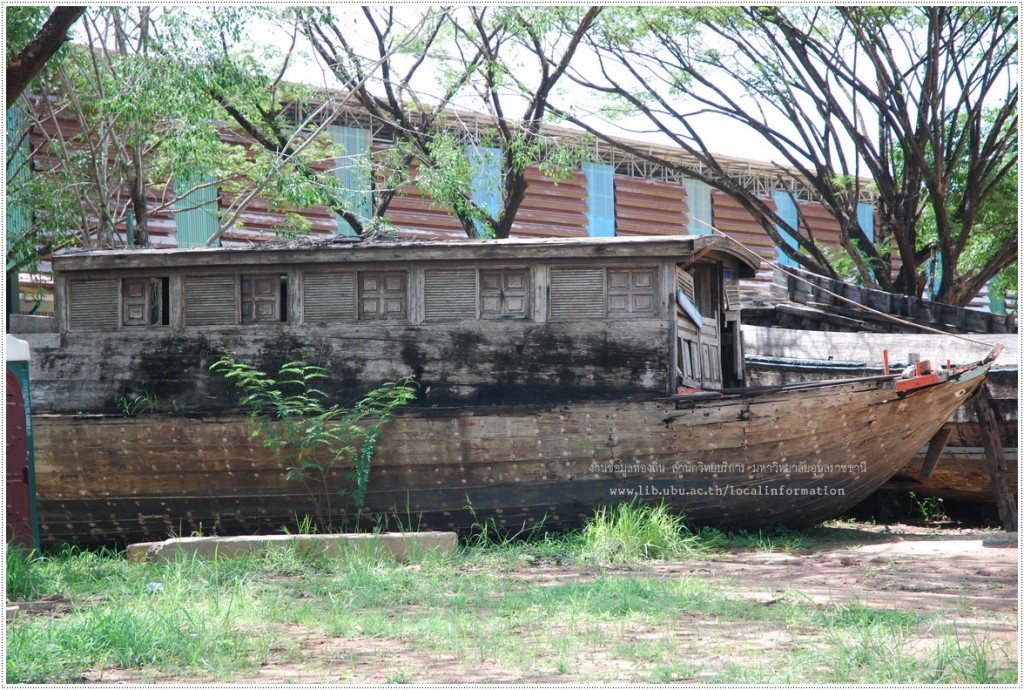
column 477, row 322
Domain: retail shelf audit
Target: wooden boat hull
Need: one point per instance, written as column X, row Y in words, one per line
column 962, row 473
column 793, row 456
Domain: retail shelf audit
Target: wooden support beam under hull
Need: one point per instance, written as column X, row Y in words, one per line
column 1006, row 503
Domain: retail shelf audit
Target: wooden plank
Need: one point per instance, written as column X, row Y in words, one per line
column 1006, row 503
column 935, row 448
column 454, row 362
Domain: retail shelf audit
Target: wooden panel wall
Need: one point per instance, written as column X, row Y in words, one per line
column 259, row 222
column 549, row 209
column 418, row 217
column 735, row 221
column 508, row 361
column 824, row 228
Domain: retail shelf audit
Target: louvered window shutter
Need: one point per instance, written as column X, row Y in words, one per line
column 352, row 169
column 449, row 294
column 785, row 207
column 600, row 199
column 576, row 294
column 196, row 219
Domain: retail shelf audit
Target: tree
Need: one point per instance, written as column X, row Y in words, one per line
column 23, row 65
column 284, row 122
column 469, row 48
column 106, row 114
column 993, row 233
column 131, row 126
column 913, row 98
column 503, row 38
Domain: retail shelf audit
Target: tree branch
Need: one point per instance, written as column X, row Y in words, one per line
column 23, row 66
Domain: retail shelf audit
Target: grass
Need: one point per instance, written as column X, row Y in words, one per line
column 577, row 607
column 134, row 616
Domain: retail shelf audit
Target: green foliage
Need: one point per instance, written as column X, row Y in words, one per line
column 845, row 266
column 213, row 50
column 153, row 85
column 22, row 24
column 447, row 180
column 135, row 119
column 993, row 226
column 316, row 440
column 632, row 532
column 684, row 66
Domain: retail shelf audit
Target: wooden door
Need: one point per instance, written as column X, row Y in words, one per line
column 699, row 340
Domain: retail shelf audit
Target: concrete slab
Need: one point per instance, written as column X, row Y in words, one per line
column 400, row 546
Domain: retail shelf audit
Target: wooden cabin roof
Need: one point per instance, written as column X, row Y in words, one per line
column 335, row 251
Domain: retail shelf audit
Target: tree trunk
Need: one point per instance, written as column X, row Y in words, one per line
column 23, row 66
column 140, row 209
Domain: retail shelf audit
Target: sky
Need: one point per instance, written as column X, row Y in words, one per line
column 723, row 138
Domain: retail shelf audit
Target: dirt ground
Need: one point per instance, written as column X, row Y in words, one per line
column 971, row 577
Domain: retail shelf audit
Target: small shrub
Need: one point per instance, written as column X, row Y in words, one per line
column 316, row 440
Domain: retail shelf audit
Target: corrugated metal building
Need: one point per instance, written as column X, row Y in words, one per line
column 614, row 195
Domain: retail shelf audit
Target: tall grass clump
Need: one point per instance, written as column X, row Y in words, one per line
column 24, row 580
column 634, row 532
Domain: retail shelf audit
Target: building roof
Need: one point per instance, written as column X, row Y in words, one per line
column 346, row 251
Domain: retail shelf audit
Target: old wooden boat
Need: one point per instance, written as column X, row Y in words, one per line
column 961, row 470
column 555, row 376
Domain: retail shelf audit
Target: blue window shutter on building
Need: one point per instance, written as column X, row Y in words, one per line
column 932, row 267
column 352, row 169
column 785, row 208
column 866, row 219
column 698, row 201
column 197, row 220
column 996, row 301
column 600, row 199
column 18, row 208
column 486, row 184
